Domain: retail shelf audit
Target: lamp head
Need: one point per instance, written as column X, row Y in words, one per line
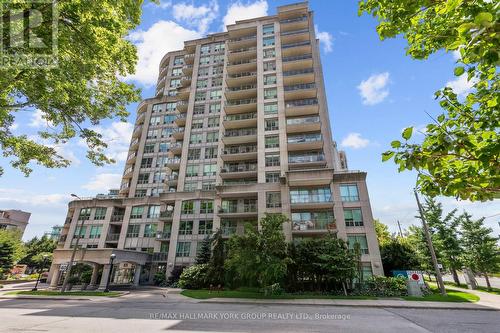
column 112, row 256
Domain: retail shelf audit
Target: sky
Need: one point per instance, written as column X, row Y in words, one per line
column 374, row 91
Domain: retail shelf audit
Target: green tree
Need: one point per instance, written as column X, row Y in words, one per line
column 382, row 231
column 36, row 248
column 205, row 253
column 460, row 153
column 258, row 257
column 82, row 90
column 399, row 254
column 216, row 270
column 11, row 250
column 481, row 252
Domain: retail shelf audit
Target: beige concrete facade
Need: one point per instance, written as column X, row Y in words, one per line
column 239, row 127
column 14, row 219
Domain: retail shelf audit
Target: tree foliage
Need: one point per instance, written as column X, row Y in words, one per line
column 399, row 254
column 82, row 90
column 36, row 248
column 382, row 231
column 460, row 154
column 205, row 253
column 11, row 250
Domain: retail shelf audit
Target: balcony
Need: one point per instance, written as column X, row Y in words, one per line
column 62, row 238
column 117, row 218
column 112, row 238
column 161, row 83
column 134, row 144
column 302, row 107
column 296, row 49
column 180, row 119
column 295, row 23
column 167, row 215
column 313, row 226
column 182, row 106
column 297, row 62
column 295, row 36
column 240, row 136
column 312, row 141
column 306, row 160
column 243, row 53
column 244, row 65
column 239, row 153
column 240, row 120
column 124, row 188
column 241, row 79
column 298, row 76
column 176, row 148
column 173, row 163
column 187, row 69
column 185, row 81
column 189, row 58
column 183, row 93
column 178, row 133
column 172, row 179
column 140, row 118
column 142, row 107
column 242, row 42
column 240, row 106
column 131, row 158
column 303, row 124
column 137, row 131
column 239, row 170
column 163, row 235
column 300, row 91
column 127, row 174
column 241, row 209
column 159, row 257
column 241, row 92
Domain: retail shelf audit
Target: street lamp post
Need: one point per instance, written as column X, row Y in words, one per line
column 40, row 272
column 70, row 264
column 111, row 259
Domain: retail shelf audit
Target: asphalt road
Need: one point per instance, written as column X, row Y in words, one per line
column 151, row 312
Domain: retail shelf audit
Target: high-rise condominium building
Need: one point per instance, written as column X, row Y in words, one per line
column 239, row 127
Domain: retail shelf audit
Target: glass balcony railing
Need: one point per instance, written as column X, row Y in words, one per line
column 241, row 102
column 244, row 74
column 302, row 121
column 239, row 39
column 303, row 138
column 298, row 72
column 239, row 168
column 246, row 49
column 301, row 102
column 309, row 158
column 295, row 19
column 287, row 46
column 112, row 237
column 117, row 218
column 296, row 58
column 240, row 150
column 294, row 32
column 173, row 161
column 242, row 88
column 241, row 62
column 300, row 86
column 240, row 132
column 243, row 116
column 313, row 224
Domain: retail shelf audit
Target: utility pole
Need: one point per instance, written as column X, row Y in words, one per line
column 439, row 278
column 400, row 232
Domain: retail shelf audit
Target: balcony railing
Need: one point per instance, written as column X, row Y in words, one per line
column 117, row 218
column 295, row 19
column 305, row 225
column 159, row 257
column 241, row 62
column 240, row 150
column 287, row 46
column 242, row 116
column 134, row 142
column 239, row 39
column 310, row 158
column 243, row 50
column 241, row 102
column 239, row 168
column 240, row 132
column 163, row 234
column 62, row 238
column 300, row 86
column 301, row 102
column 245, row 208
column 294, row 32
column 241, row 88
column 244, row 74
column 310, row 198
column 304, row 138
column 173, row 161
column 299, row 57
column 302, row 121
column 299, row 72
column 112, row 237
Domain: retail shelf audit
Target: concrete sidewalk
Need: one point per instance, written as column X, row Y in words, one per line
column 485, row 299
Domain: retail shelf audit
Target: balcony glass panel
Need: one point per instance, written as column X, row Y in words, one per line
column 310, row 195
column 302, row 138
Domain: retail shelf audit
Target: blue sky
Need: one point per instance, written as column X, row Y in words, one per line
column 374, row 91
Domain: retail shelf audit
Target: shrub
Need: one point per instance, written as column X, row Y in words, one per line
column 382, row 286
column 86, row 277
column 274, row 289
column 73, row 279
column 160, row 278
column 194, row 277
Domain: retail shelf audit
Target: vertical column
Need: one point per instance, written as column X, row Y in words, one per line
column 93, row 279
column 137, row 274
column 54, row 276
column 104, row 277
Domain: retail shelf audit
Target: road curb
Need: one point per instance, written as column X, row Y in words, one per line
column 48, row 298
column 401, row 306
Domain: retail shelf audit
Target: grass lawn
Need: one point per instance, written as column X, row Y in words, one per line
column 495, row 291
column 206, row 294
column 68, row 293
column 451, row 296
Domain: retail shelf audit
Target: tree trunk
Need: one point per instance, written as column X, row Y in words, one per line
column 343, row 287
column 455, row 276
column 487, row 281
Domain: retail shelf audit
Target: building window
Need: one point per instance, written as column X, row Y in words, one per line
column 171, row 106
column 205, row 227
column 218, row 59
column 196, row 138
column 269, row 53
column 159, row 177
column 137, row 212
column 198, row 109
column 271, row 124
column 210, row 152
column 272, row 177
column 213, row 122
column 205, row 49
column 190, row 186
column 203, row 71
column 270, row 93
column 214, row 108
column 366, row 270
column 313, row 220
column 178, row 60
column 192, row 170
column 215, row 94
column 176, row 71
column 206, row 207
column 209, row 169
column 133, row 230
column 268, row 29
column 268, row 41
column 168, row 119
column 188, row 207
column 155, row 121
column 217, row 82
column 174, row 83
column 217, row 70
column 204, row 60
column 269, row 66
column 159, row 107
column 84, row 214
column 269, row 79
column 202, row 83
column 272, row 141
column 140, row 193
column 270, row 108
column 154, row 212
column 143, row 178
column 273, row 199
column 219, row 47
column 150, row 230
column 80, row 232
column 183, row 249
column 208, row 185
column 272, row 159
column 349, row 192
column 361, row 240
column 162, row 147
column 197, row 124
column 152, row 134
column 310, row 195
column 194, row 154
column 200, row 96
column 149, row 148
column 213, row 137
column 186, row 228
column 353, row 217
column 100, row 213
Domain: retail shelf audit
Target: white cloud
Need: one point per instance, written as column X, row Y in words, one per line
column 103, row 182
column 241, row 11
column 14, row 126
column 24, row 197
column 117, row 135
column 456, row 54
column 325, row 39
column 373, row 90
column 152, row 44
column 461, row 86
column 38, row 120
column 199, row 18
column 355, row 141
